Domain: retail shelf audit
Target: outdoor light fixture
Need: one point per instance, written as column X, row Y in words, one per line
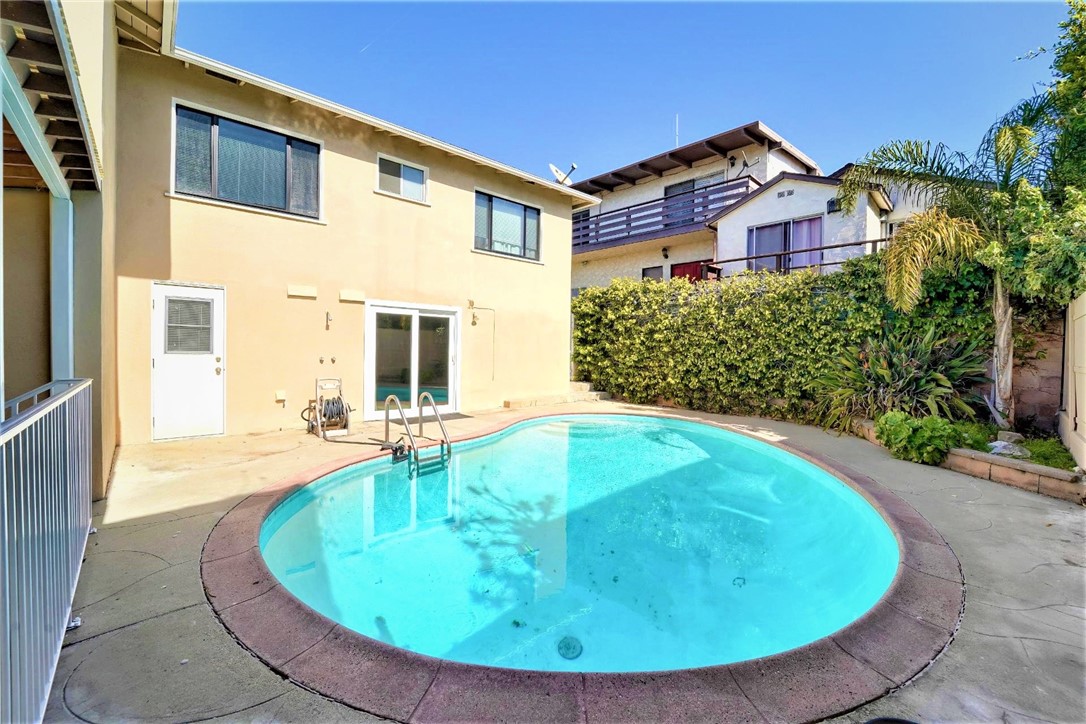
column 664, row 252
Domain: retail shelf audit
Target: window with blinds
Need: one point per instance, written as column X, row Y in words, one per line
column 506, row 227
column 401, row 179
column 188, row 326
column 223, row 159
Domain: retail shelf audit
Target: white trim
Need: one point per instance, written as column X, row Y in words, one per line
column 579, row 198
column 192, row 285
column 243, row 207
column 202, row 108
column 402, row 198
column 26, row 126
column 61, row 287
column 514, row 257
column 371, row 409
column 417, row 166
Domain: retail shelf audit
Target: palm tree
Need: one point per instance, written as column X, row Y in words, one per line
column 966, row 197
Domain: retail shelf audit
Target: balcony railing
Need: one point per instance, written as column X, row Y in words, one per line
column 656, row 219
column 45, row 514
column 789, row 260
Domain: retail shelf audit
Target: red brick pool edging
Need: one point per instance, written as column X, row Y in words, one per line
column 910, row 626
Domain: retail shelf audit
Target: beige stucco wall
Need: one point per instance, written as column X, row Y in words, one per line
column 26, row 291
column 600, row 268
column 93, row 38
column 389, row 248
column 808, row 199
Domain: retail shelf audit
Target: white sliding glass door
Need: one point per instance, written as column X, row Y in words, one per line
column 410, row 350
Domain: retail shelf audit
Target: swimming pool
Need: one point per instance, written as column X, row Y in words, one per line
column 594, row 543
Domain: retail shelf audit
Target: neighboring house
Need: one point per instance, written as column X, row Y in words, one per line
column 187, row 247
column 1072, row 414
column 651, row 218
column 743, row 199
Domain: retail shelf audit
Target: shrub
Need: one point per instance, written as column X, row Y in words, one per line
column 756, row 343
column 901, row 371
column 920, row 440
column 976, row 435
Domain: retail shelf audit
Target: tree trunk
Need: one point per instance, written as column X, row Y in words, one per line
column 1002, row 356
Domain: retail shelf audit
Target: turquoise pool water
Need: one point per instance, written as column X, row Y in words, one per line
column 601, row 543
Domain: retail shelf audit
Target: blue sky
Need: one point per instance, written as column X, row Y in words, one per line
column 600, row 84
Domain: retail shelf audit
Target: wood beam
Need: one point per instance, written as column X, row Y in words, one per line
column 141, row 38
column 64, row 129
column 27, row 127
column 79, row 174
column 749, row 137
column 680, row 161
column 43, row 55
column 625, row 179
column 83, row 186
column 17, row 158
column 600, row 185
column 774, row 145
column 718, row 150
column 71, row 146
column 27, row 15
column 649, row 169
column 55, row 86
column 133, row 45
column 75, row 161
column 56, row 109
column 138, row 14
column 24, row 172
column 11, row 182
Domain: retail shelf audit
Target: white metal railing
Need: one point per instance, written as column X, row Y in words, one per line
column 45, row 514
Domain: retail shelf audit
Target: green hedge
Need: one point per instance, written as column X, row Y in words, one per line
column 752, row 344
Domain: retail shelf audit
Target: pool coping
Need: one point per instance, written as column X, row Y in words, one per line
column 900, row 637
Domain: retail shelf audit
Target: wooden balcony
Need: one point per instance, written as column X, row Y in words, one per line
column 658, row 219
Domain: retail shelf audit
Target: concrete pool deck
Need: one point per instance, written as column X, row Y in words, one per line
column 151, row 647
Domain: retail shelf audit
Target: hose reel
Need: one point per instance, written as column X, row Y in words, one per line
column 328, row 414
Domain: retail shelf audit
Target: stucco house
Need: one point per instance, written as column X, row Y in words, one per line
column 187, row 247
column 742, row 199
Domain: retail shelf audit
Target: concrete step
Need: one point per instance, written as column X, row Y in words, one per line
column 556, row 400
column 580, row 386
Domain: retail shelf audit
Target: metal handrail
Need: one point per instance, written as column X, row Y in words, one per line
column 44, row 398
column 406, row 425
column 445, row 440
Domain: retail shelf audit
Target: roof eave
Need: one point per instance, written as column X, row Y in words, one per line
column 580, row 200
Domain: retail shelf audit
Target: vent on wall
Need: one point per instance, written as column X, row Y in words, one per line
column 220, row 76
column 831, row 206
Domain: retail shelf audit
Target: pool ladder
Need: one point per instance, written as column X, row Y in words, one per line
column 424, row 398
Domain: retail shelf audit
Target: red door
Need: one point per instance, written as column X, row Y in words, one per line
column 691, row 270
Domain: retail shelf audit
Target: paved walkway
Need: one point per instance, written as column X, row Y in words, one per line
column 151, row 649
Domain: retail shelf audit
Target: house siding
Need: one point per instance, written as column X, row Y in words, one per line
column 515, row 343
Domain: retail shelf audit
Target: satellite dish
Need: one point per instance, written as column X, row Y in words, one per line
column 747, row 164
column 560, row 177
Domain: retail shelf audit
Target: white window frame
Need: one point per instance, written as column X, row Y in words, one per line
column 417, row 166
column 202, row 108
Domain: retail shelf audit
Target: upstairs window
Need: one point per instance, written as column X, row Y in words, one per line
column 506, row 227
column 218, row 158
column 401, row 179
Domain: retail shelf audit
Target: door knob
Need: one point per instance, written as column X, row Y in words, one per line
column 218, row 370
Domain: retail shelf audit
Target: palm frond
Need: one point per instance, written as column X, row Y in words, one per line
column 1017, row 146
column 919, row 169
column 930, row 239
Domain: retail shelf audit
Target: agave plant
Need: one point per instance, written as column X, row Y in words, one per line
column 901, row 371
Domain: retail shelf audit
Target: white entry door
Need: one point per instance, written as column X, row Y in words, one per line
column 410, row 350
column 188, row 361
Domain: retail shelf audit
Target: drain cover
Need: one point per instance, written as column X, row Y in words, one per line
column 569, row 648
